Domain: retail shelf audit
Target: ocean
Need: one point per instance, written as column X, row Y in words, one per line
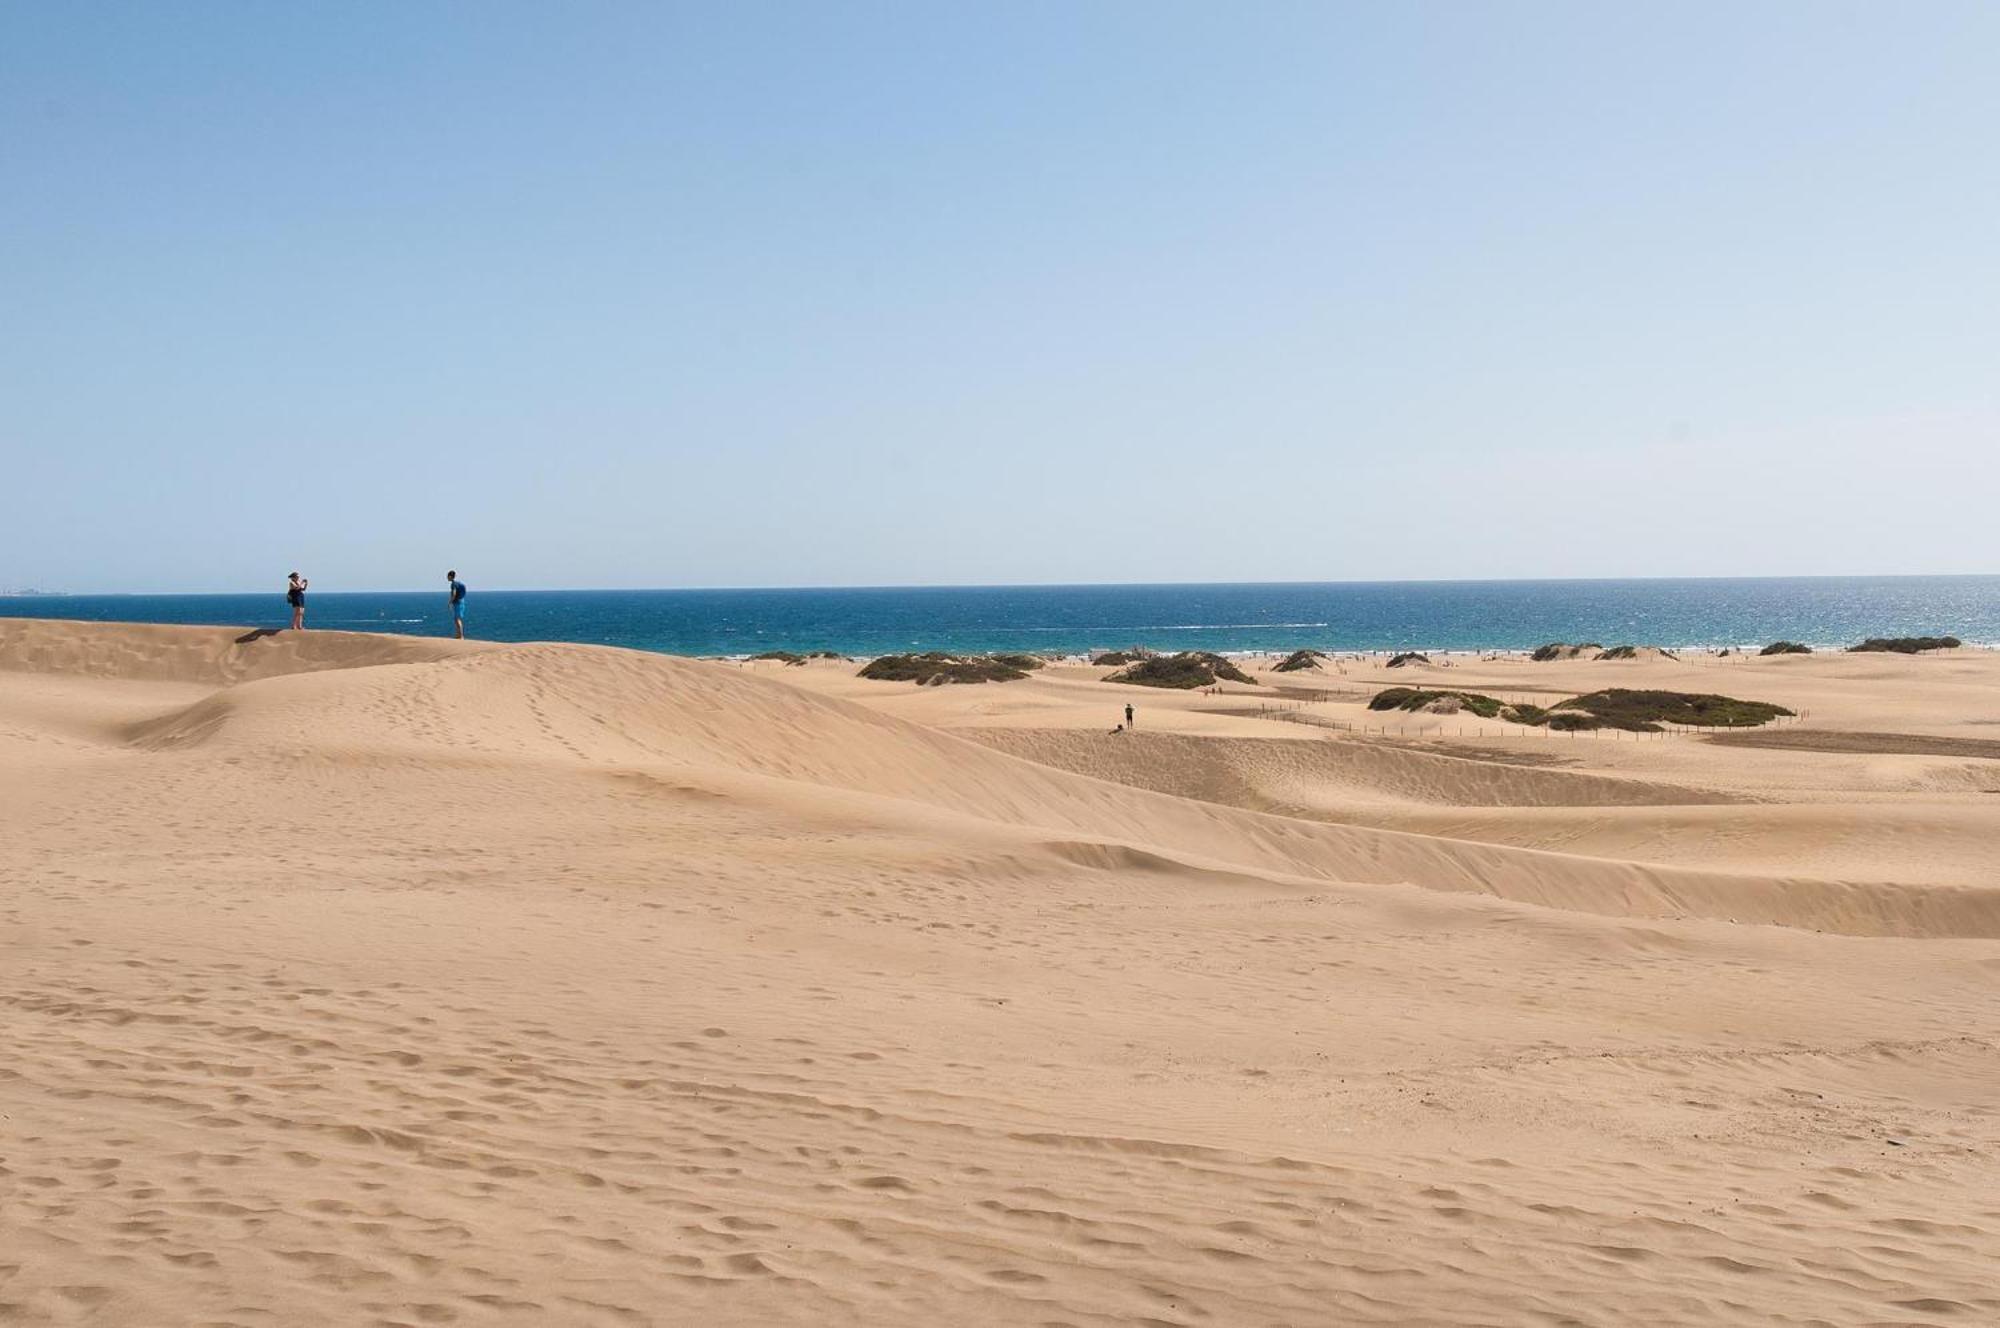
column 1349, row 616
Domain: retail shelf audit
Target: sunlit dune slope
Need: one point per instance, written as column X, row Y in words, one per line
column 366, row 980
column 359, row 698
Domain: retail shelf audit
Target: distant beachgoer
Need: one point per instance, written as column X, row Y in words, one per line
column 295, row 595
column 1128, row 714
column 457, row 590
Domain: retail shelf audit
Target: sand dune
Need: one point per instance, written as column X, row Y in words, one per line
column 1291, row 776
column 202, row 655
column 357, row 979
column 1896, row 744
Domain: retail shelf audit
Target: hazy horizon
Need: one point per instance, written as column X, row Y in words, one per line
column 643, row 296
column 37, row 592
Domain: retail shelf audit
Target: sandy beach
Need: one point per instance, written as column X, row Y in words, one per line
column 352, row 979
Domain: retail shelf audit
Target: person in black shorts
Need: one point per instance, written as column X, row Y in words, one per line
column 1128, row 714
column 295, row 595
column 456, row 588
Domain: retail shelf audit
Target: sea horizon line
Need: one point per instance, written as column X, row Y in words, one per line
column 39, row 593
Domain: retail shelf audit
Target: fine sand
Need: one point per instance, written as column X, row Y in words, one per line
column 353, row 979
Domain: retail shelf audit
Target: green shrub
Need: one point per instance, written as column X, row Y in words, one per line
column 1618, row 707
column 1025, row 663
column 1633, row 652
column 1785, row 648
column 1639, row 711
column 1416, row 698
column 1187, row 670
column 1561, row 650
column 1120, row 658
column 1907, row 645
column 1408, row 657
column 1297, row 660
column 793, row 657
column 936, row 668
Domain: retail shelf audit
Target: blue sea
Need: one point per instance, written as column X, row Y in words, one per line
column 1350, row 616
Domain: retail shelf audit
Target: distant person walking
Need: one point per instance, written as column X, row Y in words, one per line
column 295, row 595
column 1128, row 714
column 456, row 588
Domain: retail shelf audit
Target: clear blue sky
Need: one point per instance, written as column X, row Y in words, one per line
column 601, row 294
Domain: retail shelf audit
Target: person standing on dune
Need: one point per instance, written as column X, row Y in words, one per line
column 456, row 589
column 1128, row 714
column 295, row 595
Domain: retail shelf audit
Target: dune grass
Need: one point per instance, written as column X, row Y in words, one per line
column 1785, row 648
column 1906, row 645
column 935, row 668
column 1408, row 657
column 1187, row 670
column 1644, row 711
column 1561, row 650
column 1632, row 710
column 798, row 657
column 1632, row 652
column 1299, row 660
column 1418, row 698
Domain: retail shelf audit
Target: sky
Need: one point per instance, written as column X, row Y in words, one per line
column 737, row 294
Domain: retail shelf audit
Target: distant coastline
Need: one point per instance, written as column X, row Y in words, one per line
column 1350, row 617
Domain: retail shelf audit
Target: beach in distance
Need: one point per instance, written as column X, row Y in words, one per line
column 1227, row 618
column 363, row 978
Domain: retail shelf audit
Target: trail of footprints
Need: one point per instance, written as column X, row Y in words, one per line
column 238, row 1141
column 327, row 1144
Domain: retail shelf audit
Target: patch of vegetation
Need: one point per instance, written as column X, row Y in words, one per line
column 1785, row 648
column 795, row 657
column 1524, row 713
column 935, row 668
column 1562, row 721
column 1025, row 663
column 1408, row 657
column 1419, row 698
column 1299, row 659
column 1907, row 645
column 1120, row 658
column 1189, row 669
column 1638, row 711
column 1561, row 650
column 1632, row 652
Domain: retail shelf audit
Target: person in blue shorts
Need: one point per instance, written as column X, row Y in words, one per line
column 457, row 588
